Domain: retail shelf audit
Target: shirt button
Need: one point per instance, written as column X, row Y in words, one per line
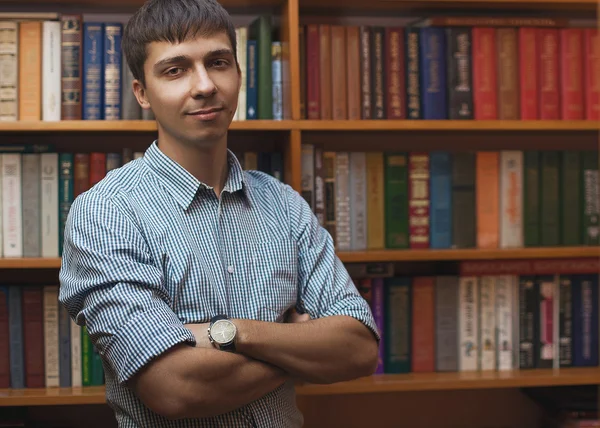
column 230, row 269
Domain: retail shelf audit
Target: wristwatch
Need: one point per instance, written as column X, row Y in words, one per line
column 222, row 332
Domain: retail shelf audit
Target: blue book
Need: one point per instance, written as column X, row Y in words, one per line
column 433, row 73
column 585, row 320
column 113, row 33
column 15, row 334
column 252, row 81
column 441, row 200
column 93, row 71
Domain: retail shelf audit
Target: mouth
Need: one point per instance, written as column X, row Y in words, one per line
column 206, row 114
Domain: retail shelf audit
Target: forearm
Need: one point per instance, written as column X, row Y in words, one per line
column 324, row 350
column 201, row 382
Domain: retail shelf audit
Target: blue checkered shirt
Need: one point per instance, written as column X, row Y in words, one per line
column 151, row 248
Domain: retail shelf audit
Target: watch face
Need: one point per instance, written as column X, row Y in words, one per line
column 223, row 331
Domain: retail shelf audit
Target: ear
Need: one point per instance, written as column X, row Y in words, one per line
column 140, row 94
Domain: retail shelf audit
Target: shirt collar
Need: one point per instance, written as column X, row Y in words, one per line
column 182, row 185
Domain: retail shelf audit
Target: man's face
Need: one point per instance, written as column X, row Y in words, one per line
column 192, row 88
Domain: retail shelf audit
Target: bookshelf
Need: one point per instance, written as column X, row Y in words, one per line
column 291, row 133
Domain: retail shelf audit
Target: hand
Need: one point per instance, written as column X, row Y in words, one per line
column 200, row 332
column 292, row 316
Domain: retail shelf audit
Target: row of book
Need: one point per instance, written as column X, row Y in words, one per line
column 40, row 345
column 441, row 199
column 37, row 190
column 62, row 67
column 492, row 315
column 451, row 68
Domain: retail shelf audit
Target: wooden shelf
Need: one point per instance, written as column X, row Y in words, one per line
column 385, row 256
column 467, row 254
column 457, row 381
column 314, row 125
column 129, row 126
column 449, row 125
column 425, row 5
column 374, row 384
column 134, row 4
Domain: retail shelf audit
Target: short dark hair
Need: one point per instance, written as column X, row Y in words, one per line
column 172, row 21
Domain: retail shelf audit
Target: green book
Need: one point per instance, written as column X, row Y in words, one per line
column 396, row 200
column 570, row 202
column 550, row 197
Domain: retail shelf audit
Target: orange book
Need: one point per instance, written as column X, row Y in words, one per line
column 30, row 70
column 375, row 201
column 353, row 78
column 487, row 185
column 423, row 324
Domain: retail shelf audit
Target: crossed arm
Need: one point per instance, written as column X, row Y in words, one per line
column 202, row 381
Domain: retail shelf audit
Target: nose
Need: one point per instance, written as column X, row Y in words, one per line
column 201, row 84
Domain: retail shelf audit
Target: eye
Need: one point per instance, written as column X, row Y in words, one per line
column 174, row 71
column 220, row 63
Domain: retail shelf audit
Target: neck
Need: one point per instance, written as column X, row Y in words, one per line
column 208, row 164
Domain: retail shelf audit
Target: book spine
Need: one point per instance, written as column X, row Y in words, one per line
column 378, row 77
column 484, row 73
column 4, row 339
column 51, row 76
column 528, row 72
column 487, row 320
column 571, row 73
column 414, row 106
column 51, row 344
column 487, row 188
column 397, row 315
column 508, row 73
column 550, row 200
column 505, row 286
column 441, row 199
column 329, row 161
column 565, row 321
column 64, row 347
column 468, row 324
column 549, row 93
column 571, row 198
column 31, row 184
column 460, row 73
column 511, row 199
column 33, row 336
column 585, row 321
column 112, row 71
column 418, row 200
column 49, row 205
column 15, row 325
column 339, row 70
column 242, row 52
column 93, row 71
column 252, row 82
column 30, row 70
column 396, row 200
column 319, row 187
column 76, row 351
column 358, row 196
column 277, row 64
column 528, row 322
column 547, row 296
column 375, row 201
column 433, row 66
column 423, row 324
column 591, row 199
column 342, row 201
column 65, row 193
column 446, row 327
column 11, row 205
column 325, row 67
column 394, row 73
column 592, row 73
column 353, row 61
column 72, row 66
column 464, row 221
column 9, row 64
column 378, row 309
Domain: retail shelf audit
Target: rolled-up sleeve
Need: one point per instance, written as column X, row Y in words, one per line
column 109, row 283
column 325, row 287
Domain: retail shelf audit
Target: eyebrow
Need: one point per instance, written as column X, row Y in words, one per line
column 184, row 58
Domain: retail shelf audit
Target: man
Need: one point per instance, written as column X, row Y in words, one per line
column 186, row 270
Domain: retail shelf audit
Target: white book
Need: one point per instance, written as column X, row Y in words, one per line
column 49, row 194
column 11, row 205
column 487, row 318
column 468, row 334
column 358, row 200
column 51, row 352
column 9, row 71
column 511, row 199
column 505, row 287
column 51, row 64
column 75, row 354
column 242, row 45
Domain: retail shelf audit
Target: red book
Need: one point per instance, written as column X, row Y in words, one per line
column 418, row 200
column 313, row 87
column 547, row 40
column 591, row 44
column 571, row 85
column 528, row 72
column 485, row 88
column 423, row 325
column 97, row 167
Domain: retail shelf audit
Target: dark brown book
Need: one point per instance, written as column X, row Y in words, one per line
column 378, row 78
column 365, row 72
column 394, row 72
column 33, row 336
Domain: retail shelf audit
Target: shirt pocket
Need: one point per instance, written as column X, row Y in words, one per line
column 273, row 277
